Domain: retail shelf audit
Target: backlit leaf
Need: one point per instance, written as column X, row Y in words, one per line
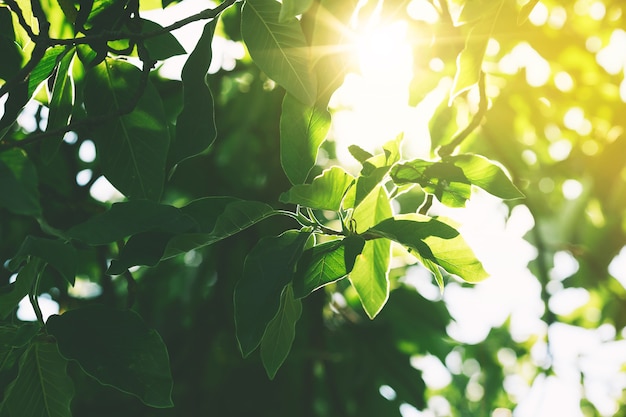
column 118, row 349
column 369, row 277
column 525, row 11
column 435, row 241
column 319, row 266
column 280, row 332
column 289, row 9
column 61, row 104
column 44, row 68
column 132, row 148
column 485, row 174
column 268, row 268
column 324, row 193
column 469, row 61
column 279, row 49
column 303, row 128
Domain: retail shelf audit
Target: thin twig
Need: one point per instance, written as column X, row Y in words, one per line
column 447, row 149
column 108, row 36
column 20, row 18
column 90, row 121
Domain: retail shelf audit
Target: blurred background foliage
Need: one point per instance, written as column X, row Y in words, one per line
column 555, row 120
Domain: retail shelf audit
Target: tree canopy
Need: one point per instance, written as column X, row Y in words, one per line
column 306, row 208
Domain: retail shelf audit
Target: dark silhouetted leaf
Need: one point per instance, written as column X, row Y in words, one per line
column 60, row 255
column 125, row 219
column 195, row 126
column 280, row 332
column 12, row 294
column 19, row 192
column 268, row 268
column 162, row 46
column 42, row 387
column 118, row 349
column 132, row 148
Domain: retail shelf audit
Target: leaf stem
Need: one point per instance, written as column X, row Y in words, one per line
column 32, row 294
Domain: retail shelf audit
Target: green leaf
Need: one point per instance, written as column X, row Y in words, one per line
column 369, row 277
column 42, row 387
column 435, row 241
column 195, row 126
column 469, row 61
column 474, row 10
column 236, row 217
column 280, row 332
column 61, row 104
column 450, row 180
column 60, row 255
column 325, row 192
column 525, row 11
column 328, row 46
column 125, row 219
column 162, row 46
column 116, row 348
column 19, row 185
column 11, row 61
column 375, row 169
column 12, row 294
column 319, row 266
column 132, row 148
column 44, row 68
column 443, row 179
column 239, row 216
column 374, row 209
column 354, row 245
column 13, row 340
column 145, row 248
column 289, row 9
column 279, row 49
column 268, row 268
column 359, row 153
column 303, row 128
column 485, row 174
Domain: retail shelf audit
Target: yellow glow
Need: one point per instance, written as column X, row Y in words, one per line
column 371, row 107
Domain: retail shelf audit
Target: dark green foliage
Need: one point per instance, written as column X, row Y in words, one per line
column 235, row 227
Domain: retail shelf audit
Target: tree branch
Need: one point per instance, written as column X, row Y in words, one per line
column 108, row 36
column 447, row 149
column 147, row 66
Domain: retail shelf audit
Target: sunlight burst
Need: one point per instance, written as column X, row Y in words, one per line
column 371, row 107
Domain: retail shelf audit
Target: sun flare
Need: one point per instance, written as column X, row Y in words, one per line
column 371, row 107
